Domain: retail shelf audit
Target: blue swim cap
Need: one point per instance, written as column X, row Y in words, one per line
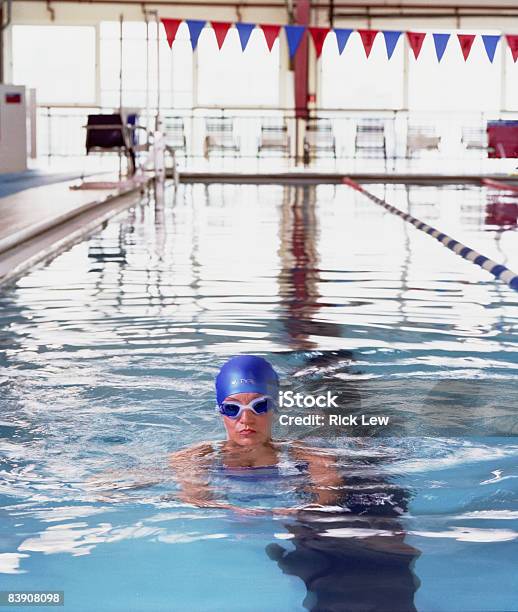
column 246, row 374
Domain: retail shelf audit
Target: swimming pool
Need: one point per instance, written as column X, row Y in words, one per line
column 108, row 356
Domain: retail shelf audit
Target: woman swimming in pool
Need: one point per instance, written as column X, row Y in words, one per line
column 341, row 572
column 247, row 389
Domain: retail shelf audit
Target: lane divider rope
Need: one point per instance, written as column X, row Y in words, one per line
column 499, row 185
column 498, row 270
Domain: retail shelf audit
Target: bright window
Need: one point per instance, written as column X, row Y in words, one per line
column 175, row 66
column 454, row 84
column 352, row 80
column 58, row 61
column 231, row 77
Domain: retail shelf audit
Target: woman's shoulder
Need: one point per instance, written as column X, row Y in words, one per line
column 197, row 451
column 310, row 454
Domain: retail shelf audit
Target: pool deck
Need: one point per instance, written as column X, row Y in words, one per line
column 39, row 222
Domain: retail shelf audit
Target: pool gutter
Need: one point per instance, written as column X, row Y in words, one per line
column 334, row 178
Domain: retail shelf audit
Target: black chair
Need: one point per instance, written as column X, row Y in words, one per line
column 109, row 133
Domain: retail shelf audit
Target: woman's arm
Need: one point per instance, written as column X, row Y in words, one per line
column 325, row 479
column 190, row 467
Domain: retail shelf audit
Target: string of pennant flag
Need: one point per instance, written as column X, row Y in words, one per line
column 295, row 34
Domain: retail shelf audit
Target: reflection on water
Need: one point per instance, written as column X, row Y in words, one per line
column 299, row 276
column 353, row 556
column 107, row 360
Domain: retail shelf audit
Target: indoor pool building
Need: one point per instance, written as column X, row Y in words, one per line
column 258, row 305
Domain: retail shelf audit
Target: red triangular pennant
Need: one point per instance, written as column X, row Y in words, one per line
column 415, row 39
column 367, row 37
column 466, row 42
column 512, row 41
column 270, row 33
column 171, row 26
column 220, row 30
column 318, row 35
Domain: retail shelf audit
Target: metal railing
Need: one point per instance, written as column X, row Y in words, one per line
column 337, row 138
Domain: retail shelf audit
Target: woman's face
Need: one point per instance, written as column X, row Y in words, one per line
column 249, row 429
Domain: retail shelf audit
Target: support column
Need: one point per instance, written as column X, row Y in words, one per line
column 302, row 15
column 406, row 68
column 286, row 87
column 7, row 54
column 401, row 126
column 503, row 75
column 1, row 43
column 98, row 64
column 287, row 94
column 313, row 99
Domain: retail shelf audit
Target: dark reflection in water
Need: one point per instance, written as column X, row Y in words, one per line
column 352, row 554
column 354, row 558
column 300, row 275
column 501, row 212
column 349, row 573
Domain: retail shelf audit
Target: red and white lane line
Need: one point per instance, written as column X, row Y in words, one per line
column 500, row 185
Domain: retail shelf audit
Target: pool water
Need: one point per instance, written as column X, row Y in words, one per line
column 108, row 356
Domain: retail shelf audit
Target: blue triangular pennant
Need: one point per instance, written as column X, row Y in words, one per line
column 440, row 41
column 244, row 30
column 490, row 43
column 195, row 27
column 391, row 38
column 342, row 36
column 293, row 36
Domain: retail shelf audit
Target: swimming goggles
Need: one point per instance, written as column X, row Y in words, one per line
column 259, row 405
